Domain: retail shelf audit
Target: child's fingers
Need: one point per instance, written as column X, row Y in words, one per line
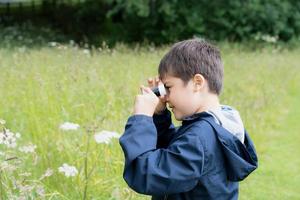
column 142, row 89
column 145, row 90
column 151, row 82
column 156, row 81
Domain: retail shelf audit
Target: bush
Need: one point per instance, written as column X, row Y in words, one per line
column 171, row 20
column 234, row 20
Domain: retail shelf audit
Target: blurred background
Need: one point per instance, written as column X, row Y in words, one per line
column 153, row 21
column 70, row 71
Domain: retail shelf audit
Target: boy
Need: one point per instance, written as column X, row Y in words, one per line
column 206, row 156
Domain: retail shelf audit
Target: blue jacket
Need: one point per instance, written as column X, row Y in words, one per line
column 198, row 160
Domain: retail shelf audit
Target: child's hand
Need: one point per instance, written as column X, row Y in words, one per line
column 161, row 106
column 145, row 103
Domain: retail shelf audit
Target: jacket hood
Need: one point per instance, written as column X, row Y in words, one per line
column 230, row 119
column 240, row 158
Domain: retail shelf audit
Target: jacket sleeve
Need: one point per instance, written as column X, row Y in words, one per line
column 160, row 171
column 165, row 128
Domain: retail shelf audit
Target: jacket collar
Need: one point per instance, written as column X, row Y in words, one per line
column 195, row 117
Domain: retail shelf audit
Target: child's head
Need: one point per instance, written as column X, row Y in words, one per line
column 195, row 68
column 195, row 56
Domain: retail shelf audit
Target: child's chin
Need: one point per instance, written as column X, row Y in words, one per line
column 178, row 117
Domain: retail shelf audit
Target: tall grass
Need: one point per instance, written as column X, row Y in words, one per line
column 42, row 88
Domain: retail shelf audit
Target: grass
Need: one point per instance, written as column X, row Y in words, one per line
column 41, row 88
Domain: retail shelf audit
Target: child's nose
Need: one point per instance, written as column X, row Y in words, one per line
column 167, row 98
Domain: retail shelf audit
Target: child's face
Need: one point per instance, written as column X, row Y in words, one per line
column 182, row 99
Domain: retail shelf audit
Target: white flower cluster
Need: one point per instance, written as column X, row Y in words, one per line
column 105, row 136
column 86, row 51
column 266, row 38
column 9, row 138
column 68, row 170
column 67, row 126
column 2, row 121
column 26, row 191
column 11, row 165
column 28, row 149
column 5, row 166
column 53, row 44
column 48, row 173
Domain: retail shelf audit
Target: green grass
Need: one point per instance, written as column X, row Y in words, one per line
column 42, row 88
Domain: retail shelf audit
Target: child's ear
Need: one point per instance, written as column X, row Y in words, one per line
column 198, row 82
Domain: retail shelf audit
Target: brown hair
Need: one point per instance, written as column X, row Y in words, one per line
column 195, row 56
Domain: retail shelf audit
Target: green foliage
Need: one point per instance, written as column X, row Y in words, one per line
column 157, row 21
column 236, row 20
column 167, row 21
column 28, row 35
column 81, row 21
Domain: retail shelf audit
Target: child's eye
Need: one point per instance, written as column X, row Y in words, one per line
column 167, row 88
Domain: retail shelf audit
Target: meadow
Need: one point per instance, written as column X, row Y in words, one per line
column 41, row 88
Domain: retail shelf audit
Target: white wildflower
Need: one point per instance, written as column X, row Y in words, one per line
column 63, row 47
column 26, row 188
column 25, row 174
column 86, row 51
column 28, row 149
column 40, row 190
column 22, row 49
column 8, row 138
column 11, row 145
column 269, row 38
column 18, row 135
column 266, row 38
column 105, row 136
column 53, row 44
column 68, row 170
column 71, row 42
column 2, row 121
column 69, row 126
column 5, row 166
column 48, row 173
